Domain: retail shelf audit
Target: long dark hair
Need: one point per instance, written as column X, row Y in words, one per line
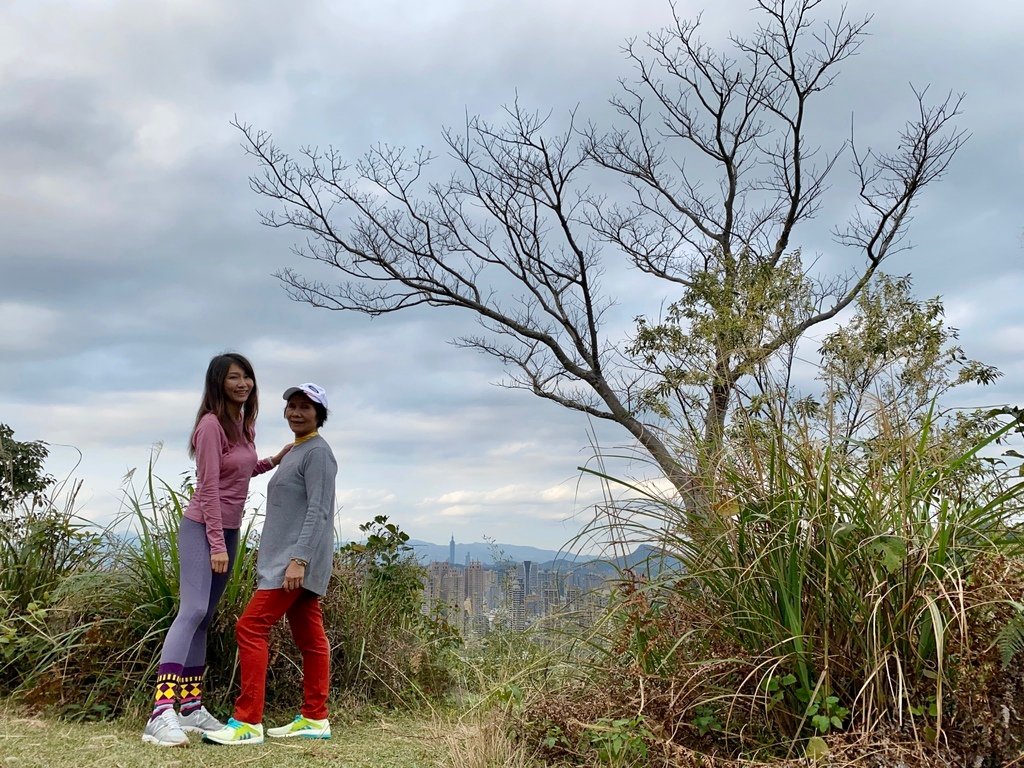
column 214, row 400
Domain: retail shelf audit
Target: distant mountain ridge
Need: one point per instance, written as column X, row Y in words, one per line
column 488, row 553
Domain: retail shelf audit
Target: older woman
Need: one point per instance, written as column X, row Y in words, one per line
column 294, row 565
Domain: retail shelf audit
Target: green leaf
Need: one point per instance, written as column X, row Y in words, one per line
column 816, row 748
column 891, row 550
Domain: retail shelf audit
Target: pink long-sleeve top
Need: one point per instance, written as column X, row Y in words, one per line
column 223, row 471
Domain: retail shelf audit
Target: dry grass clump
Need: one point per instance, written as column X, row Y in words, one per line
column 483, row 740
column 875, row 750
column 987, row 668
column 564, row 723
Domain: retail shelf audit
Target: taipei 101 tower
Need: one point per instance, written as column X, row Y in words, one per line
column 451, row 551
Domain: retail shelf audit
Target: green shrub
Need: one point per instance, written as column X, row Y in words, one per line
column 22, row 480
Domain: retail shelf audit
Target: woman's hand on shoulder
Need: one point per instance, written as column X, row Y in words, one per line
column 276, row 458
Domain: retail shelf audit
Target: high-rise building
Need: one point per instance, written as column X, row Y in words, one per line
column 527, row 566
column 551, row 600
column 476, row 586
column 516, row 604
column 444, row 590
column 573, row 597
column 434, row 586
column 451, row 551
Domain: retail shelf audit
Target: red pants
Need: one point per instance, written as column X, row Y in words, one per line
column 266, row 608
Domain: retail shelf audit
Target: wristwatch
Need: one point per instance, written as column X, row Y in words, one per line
column 300, row 561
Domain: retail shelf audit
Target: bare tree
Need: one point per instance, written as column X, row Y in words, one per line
column 730, row 250
column 515, row 237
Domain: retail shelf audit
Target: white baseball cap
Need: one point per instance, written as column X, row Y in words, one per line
column 314, row 392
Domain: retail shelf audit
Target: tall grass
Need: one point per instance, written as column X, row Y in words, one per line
column 42, row 542
column 91, row 651
column 820, row 591
column 143, row 568
column 853, row 569
column 83, row 612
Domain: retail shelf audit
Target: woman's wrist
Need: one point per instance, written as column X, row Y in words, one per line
column 300, row 561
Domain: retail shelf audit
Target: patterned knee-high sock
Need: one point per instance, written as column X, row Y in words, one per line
column 191, row 691
column 168, row 677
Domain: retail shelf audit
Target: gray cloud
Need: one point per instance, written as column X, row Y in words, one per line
column 132, row 251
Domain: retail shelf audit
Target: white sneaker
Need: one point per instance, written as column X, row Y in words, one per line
column 164, row 731
column 303, row 728
column 199, row 721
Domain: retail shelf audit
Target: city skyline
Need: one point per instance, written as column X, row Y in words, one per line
column 478, row 599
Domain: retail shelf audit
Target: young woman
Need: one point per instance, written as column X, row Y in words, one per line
column 294, row 564
column 222, row 444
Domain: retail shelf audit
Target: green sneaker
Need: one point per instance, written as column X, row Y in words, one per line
column 304, row 728
column 236, row 732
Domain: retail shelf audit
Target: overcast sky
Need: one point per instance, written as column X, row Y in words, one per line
column 131, row 250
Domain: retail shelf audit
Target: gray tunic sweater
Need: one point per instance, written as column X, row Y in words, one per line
column 300, row 517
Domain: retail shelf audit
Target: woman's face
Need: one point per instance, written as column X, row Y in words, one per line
column 300, row 413
column 237, row 385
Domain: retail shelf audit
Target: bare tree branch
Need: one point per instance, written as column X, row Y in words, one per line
column 718, row 173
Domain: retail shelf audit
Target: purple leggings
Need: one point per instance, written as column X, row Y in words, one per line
column 200, row 591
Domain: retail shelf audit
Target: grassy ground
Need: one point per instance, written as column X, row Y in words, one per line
column 392, row 742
